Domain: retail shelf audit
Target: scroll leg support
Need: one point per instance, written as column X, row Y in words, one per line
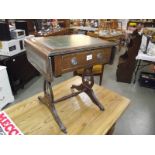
column 48, row 93
column 87, row 85
column 79, row 87
column 90, row 93
column 57, row 118
column 92, row 96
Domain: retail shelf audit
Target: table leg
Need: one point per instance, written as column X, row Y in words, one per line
column 87, row 85
column 136, row 70
column 48, row 99
column 111, row 131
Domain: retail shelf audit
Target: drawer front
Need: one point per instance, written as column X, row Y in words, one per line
column 72, row 62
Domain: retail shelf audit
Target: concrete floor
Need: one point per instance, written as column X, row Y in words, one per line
column 138, row 119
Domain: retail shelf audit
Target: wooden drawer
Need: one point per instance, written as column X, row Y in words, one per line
column 71, row 62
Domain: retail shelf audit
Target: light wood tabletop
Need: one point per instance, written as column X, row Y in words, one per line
column 79, row 114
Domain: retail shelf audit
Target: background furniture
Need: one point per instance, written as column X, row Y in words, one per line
column 56, row 32
column 127, row 62
column 144, row 59
column 64, row 23
column 83, row 29
column 5, row 89
column 114, row 35
column 20, row 71
column 79, row 114
column 145, row 23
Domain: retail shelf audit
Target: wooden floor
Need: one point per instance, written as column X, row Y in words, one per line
column 79, row 114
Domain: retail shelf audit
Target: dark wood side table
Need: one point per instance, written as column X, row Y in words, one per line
column 53, row 56
column 20, row 71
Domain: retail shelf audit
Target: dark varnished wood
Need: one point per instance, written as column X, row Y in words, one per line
column 19, row 70
column 86, row 87
column 59, row 48
column 127, row 62
column 61, row 54
column 63, row 63
column 68, row 44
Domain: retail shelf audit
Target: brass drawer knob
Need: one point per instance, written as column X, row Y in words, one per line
column 74, row 61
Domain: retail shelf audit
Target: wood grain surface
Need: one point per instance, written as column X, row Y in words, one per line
column 79, row 114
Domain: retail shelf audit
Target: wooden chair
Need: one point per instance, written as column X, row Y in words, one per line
column 127, row 62
column 97, row 71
